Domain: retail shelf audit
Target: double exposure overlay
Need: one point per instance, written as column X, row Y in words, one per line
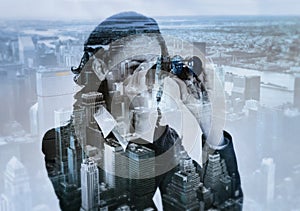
column 131, row 112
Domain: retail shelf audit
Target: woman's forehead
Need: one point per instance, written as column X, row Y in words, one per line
column 134, row 47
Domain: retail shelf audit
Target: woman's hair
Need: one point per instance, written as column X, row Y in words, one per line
column 111, row 30
column 114, row 28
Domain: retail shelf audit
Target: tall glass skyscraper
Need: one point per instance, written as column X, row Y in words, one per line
column 89, row 185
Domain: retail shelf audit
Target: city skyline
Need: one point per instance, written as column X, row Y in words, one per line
column 263, row 118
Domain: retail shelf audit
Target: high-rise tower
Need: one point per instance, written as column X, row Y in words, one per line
column 141, row 167
column 16, row 185
column 89, row 185
column 182, row 191
column 115, row 165
column 216, row 177
column 181, row 194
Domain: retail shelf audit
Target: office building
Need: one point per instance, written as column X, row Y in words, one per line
column 55, row 90
column 141, row 167
column 65, row 174
column 91, row 102
column 217, row 179
column 186, row 166
column 115, row 165
column 297, row 92
column 181, row 194
column 16, row 186
column 213, row 171
column 268, row 177
column 246, row 87
column 74, row 161
column 89, row 185
column 26, row 51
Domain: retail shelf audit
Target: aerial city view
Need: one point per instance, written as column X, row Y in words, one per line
column 256, row 60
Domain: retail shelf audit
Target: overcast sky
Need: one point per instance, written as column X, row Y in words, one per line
column 95, row 9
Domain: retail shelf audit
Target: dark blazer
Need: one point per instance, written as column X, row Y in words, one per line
column 160, row 146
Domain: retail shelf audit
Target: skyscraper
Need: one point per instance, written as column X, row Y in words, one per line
column 62, row 139
column 182, row 191
column 268, row 177
column 90, row 134
column 16, row 185
column 79, row 124
column 55, row 90
column 297, row 92
column 181, row 194
column 74, row 160
column 65, row 175
column 89, row 185
column 26, row 51
column 213, row 172
column 216, row 177
column 91, row 102
column 186, row 165
column 114, row 165
column 246, row 87
column 141, row 167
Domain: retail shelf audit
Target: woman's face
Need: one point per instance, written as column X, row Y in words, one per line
column 138, row 106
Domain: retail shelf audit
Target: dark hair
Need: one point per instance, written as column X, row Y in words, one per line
column 114, row 28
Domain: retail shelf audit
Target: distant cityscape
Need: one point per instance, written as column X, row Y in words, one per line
column 256, row 60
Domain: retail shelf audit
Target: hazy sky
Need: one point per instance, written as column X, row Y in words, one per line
column 95, row 9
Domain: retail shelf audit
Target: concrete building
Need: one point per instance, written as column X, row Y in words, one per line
column 181, row 194
column 268, row 176
column 297, row 92
column 182, row 191
column 55, row 90
column 141, row 169
column 113, row 160
column 26, row 51
column 17, row 187
column 246, row 87
column 89, row 185
column 91, row 102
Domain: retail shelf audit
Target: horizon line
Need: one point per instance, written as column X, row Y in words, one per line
column 155, row 16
